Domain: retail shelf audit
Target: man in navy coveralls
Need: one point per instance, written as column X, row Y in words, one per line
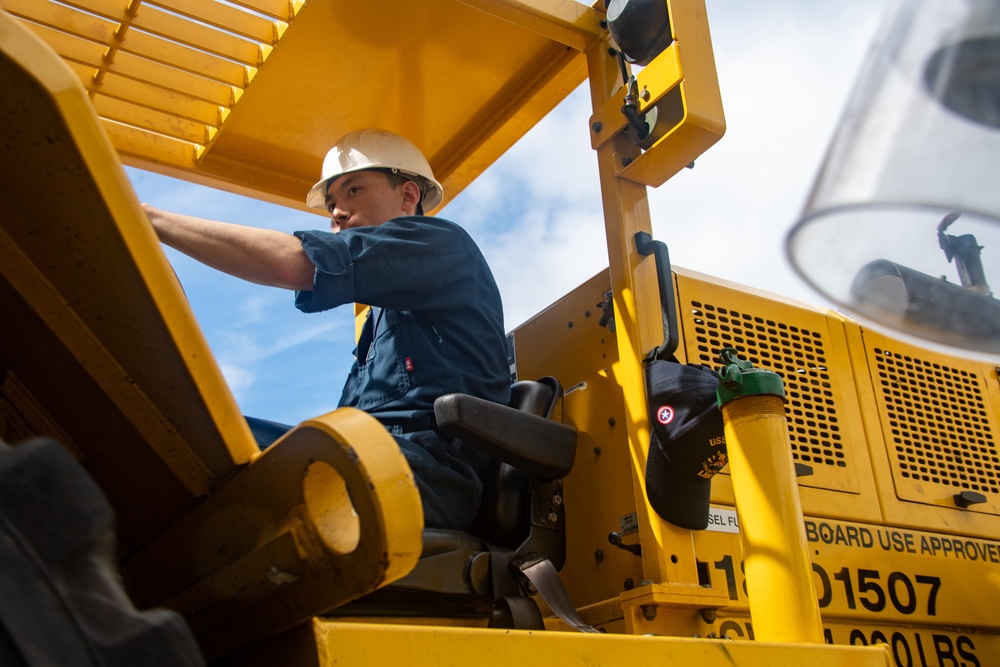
column 435, row 325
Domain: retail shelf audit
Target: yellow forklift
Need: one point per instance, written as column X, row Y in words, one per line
column 856, row 522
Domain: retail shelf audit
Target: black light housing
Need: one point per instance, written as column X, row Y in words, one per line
column 641, row 28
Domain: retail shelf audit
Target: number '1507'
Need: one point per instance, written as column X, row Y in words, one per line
column 865, row 586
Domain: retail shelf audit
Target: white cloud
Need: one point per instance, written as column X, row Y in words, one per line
column 239, row 377
column 254, row 346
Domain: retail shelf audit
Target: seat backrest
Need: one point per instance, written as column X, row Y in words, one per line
column 504, row 517
column 539, row 397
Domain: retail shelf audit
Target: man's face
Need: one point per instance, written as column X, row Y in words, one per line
column 365, row 199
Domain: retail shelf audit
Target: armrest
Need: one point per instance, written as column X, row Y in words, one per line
column 535, row 444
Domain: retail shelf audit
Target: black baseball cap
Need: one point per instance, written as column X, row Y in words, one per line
column 687, row 446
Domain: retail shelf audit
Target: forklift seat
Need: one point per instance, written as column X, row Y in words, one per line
column 521, row 518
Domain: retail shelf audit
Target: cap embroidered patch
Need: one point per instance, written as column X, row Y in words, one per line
column 665, row 414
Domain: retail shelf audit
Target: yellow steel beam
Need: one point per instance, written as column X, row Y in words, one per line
column 170, row 154
column 93, row 54
column 283, row 10
column 153, row 47
column 149, row 18
column 151, row 119
column 228, row 18
column 131, row 91
column 325, row 644
column 200, row 37
column 572, row 24
column 668, row 552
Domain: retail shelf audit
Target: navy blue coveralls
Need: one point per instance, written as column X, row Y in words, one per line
column 435, row 327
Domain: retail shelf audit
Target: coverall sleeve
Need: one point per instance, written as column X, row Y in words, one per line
column 411, row 263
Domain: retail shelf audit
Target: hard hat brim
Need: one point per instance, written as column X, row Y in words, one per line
column 433, row 193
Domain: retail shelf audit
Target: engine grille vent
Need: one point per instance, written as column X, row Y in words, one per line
column 940, row 431
column 795, row 353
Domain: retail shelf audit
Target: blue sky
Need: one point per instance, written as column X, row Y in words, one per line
column 785, row 70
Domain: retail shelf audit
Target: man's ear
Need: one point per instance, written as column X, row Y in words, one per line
column 411, row 197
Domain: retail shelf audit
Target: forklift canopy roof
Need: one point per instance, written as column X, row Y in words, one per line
column 248, row 95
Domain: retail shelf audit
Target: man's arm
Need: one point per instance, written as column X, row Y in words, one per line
column 262, row 256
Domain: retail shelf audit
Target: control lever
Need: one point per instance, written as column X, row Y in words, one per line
column 615, row 538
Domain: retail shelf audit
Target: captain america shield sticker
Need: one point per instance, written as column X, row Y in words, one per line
column 665, row 414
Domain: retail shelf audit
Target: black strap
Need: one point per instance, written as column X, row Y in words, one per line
column 516, row 612
column 504, row 585
column 522, row 611
column 542, row 574
column 511, row 608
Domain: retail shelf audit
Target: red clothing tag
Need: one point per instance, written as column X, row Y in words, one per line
column 409, row 365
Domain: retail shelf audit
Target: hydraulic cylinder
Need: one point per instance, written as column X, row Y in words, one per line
column 780, row 588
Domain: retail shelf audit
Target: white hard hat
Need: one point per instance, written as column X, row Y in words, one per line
column 376, row 149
